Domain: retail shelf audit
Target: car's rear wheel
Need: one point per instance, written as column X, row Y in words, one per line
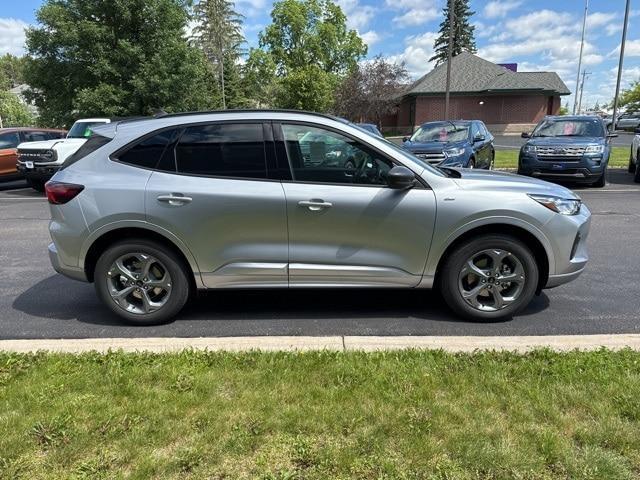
column 142, row 281
column 489, row 278
column 37, row 185
column 632, row 167
column 472, row 163
column 636, row 176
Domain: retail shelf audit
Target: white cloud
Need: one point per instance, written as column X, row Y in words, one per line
column 498, row 8
column 598, row 19
column 251, row 8
column 416, row 12
column 631, row 49
column 371, row 37
column 418, row 50
column 358, row 15
column 12, row 36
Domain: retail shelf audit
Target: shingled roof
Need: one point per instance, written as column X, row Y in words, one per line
column 472, row 74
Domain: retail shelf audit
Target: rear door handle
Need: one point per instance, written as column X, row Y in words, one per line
column 315, row 205
column 175, row 199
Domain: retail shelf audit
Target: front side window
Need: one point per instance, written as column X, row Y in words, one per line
column 322, row 156
column 9, row 140
column 224, row 149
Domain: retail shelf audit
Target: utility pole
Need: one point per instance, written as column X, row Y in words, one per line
column 449, row 57
column 584, row 26
column 624, row 39
column 584, row 74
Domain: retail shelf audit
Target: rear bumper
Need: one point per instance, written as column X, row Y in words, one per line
column 71, row 272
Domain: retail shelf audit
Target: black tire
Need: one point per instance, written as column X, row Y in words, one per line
column 636, row 176
column 492, row 160
column 602, row 180
column 632, row 167
column 472, row 163
column 180, row 288
column 452, row 267
column 37, row 185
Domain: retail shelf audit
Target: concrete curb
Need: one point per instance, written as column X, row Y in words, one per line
column 336, row 343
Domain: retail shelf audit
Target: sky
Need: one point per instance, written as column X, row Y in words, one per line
column 539, row 36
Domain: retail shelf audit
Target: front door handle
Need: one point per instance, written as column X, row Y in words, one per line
column 315, row 205
column 176, row 199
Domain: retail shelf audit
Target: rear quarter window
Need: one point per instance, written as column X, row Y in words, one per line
column 148, row 152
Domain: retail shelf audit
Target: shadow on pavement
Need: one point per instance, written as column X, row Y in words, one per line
column 59, row 298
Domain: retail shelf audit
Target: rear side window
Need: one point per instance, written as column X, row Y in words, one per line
column 222, row 150
column 90, row 146
column 149, row 151
column 35, row 136
column 9, row 140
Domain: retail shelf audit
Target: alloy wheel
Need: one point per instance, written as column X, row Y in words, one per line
column 491, row 280
column 139, row 283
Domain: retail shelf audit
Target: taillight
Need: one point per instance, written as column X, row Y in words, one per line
column 59, row 193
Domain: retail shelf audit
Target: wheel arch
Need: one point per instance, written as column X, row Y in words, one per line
column 101, row 239
column 541, row 253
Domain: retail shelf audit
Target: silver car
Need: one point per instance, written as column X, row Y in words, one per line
column 151, row 210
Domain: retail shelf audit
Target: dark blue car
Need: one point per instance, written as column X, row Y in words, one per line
column 569, row 148
column 461, row 143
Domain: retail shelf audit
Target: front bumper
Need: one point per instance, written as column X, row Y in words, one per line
column 71, row 272
column 38, row 172
column 585, row 169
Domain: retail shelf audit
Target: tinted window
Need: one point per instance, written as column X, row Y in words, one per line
column 90, row 146
column 322, row 156
column 148, row 152
column 440, row 132
column 228, row 150
column 9, row 140
column 35, row 136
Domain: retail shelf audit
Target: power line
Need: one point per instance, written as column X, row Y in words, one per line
column 584, row 26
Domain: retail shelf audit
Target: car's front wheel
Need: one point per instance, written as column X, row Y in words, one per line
column 142, row 281
column 602, row 180
column 490, row 277
column 632, row 167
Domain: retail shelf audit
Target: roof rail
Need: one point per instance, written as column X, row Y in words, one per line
column 245, row 110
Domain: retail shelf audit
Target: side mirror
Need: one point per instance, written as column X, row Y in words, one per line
column 405, row 139
column 479, row 138
column 525, row 135
column 400, row 178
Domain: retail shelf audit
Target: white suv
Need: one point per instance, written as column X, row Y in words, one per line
column 38, row 161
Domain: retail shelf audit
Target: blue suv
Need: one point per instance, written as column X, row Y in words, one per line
column 462, row 143
column 571, row 148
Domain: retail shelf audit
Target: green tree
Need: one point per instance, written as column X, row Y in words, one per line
column 463, row 32
column 13, row 112
column 259, row 80
column 11, row 71
column 312, row 49
column 630, row 98
column 218, row 32
column 130, row 57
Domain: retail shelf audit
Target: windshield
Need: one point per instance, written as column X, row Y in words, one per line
column 441, row 132
column 569, row 128
column 82, row 129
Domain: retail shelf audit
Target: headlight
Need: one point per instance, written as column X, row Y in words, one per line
column 529, row 148
column 563, row 206
column 453, row 152
column 594, row 149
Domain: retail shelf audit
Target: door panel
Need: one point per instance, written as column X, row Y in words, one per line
column 236, row 229
column 368, row 236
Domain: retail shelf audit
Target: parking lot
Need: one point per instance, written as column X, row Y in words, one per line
column 38, row 303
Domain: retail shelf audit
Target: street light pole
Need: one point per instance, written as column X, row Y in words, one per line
column 449, row 57
column 620, row 61
column 584, row 74
column 584, row 26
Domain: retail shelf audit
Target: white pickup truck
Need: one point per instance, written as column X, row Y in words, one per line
column 38, row 161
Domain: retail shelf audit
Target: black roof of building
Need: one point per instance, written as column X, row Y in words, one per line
column 471, row 74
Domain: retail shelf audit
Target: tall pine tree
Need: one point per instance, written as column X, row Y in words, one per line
column 463, row 38
column 218, row 32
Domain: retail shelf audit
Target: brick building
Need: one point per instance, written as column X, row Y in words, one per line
column 505, row 100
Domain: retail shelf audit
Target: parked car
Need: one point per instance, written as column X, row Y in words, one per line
column 462, row 143
column 634, row 156
column 39, row 160
column 151, row 210
column 570, row 148
column 628, row 121
column 370, row 127
column 10, row 138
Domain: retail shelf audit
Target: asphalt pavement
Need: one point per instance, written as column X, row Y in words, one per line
column 35, row 302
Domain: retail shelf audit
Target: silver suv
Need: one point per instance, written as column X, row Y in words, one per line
column 152, row 210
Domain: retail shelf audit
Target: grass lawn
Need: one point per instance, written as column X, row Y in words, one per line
column 509, row 158
column 321, row 415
